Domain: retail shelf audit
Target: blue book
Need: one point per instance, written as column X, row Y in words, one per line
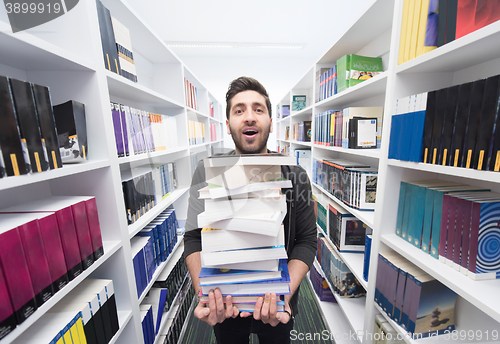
column 366, row 260
column 416, row 216
column 335, row 79
column 149, row 259
column 394, row 137
column 402, row 198
column 417, row 136
column 427, row 224
column 400, row 289
column 406, row 134
column 407, row 210
column 161, row 307
column 214, row 276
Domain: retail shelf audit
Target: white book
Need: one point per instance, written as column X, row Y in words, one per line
column 214, row 259
column 262, row 265
column 265, row 224
column 216, row 210
column 237, row 176
column 249, row 159
column 213, row 240
column 215, row 191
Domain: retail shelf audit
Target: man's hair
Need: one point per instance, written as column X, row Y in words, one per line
column 244, row 83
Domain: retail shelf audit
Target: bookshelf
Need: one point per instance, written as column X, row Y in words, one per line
column 377, row 33
column 66, row 55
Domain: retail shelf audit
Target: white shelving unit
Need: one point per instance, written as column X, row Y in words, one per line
column 66, row 55
column 377, row 33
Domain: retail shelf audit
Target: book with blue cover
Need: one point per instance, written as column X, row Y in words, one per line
column 214, row 276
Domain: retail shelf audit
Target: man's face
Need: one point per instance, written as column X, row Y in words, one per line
column 249, row 123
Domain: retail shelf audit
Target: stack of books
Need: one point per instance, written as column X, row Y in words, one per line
column 243, row 242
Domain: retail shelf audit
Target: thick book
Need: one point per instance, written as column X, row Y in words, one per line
column 216, row 210
column 451, row 20
column 489, row 115
column 299, row 102
column 116, row 117
column 343, row 69
column 279, row 286
column 10, row 137
column 475, row 104
column 213, row 276
column 213, row 240
column 362, row 133
column 443, row 17
column 266, row 224
column 363, row 68
column 460, row 127
column 14, row 265
column 428, row 126
column 402, row 37
column 28, row 124
column 259, row 188
column 47, row 124
column 7, row 316
column 72, row 131
column 157, row 298
column 124, row 48
column 238, row 176
column 242, row 256
column 437, row 128
column 473, row 15
column 448, row 125
column 415, row 29
column 346, row 231
column 110, row 52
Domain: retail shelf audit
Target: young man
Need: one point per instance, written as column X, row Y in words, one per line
column 249, row 123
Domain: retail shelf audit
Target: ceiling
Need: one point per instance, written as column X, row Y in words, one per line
column 313, row 26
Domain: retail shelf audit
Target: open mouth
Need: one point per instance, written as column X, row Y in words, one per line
column 250, row 133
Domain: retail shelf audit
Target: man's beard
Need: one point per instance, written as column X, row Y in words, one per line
column 259, row 149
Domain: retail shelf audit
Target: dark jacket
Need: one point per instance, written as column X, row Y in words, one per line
column 299, row 222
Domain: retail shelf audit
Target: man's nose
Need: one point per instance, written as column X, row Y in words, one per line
column 250, row 116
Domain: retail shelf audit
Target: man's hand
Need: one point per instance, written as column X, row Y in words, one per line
column 265, row 310
column 216, row 312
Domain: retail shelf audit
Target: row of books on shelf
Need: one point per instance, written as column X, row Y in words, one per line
column 454, row 223
column 141, row 193
column 346, row 232
column 455, row 126
column 302, row 131
column 162, row 299
column 243, row 249
column 44, row 245
column 418, row 302
column 326, row 83
column 283, row 111
column 428, row 24
column 191, row 93
column 302, row 156
column 196, row 132
column 174, row 332
column 35, row 136
column 320, row 285
column 337, row 273
column 152, row 246
column 116, row 44
column 353, row 127
column 353, row 183
column 138, row 131
column 88, row 314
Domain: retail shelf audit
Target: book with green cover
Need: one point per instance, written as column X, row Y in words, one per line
column 343, row 71
column 299, row 102
column 363, row 68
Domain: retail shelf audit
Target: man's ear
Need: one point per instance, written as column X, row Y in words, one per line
column 227, row 127
column 271, row 124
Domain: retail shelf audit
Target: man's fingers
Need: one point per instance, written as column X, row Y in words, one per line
column 201, row 311
column 219, row 304
column 229, row 313
column 257, row 310
column 264, row 314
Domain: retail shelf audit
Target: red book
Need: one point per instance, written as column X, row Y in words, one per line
column 95, row 228
column 15, row 268
column 7, row 317
column 83, row 233
column 51, row 238
column 34, row 252
column 475, row 14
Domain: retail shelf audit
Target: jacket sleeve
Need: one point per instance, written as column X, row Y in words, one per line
column 192, row 235
column 305, row 244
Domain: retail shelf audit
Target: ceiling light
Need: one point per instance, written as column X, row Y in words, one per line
column 220, row 45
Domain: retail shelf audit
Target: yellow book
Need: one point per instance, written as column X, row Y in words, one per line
column 409, row 26
column 415, row 29
column 402, row 39
column 422, row 27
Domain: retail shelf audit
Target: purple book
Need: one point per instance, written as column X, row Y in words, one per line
column 115, row 113
column 82, row 233
column 123, row 118
column 444, row 229
column 400, row 291
column 458, row 253
column 450, row 228
column 390, row 289
column 15, row 269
